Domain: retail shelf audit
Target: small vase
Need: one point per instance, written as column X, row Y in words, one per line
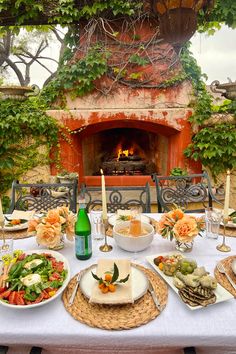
column 184, row 246
column 59, row 246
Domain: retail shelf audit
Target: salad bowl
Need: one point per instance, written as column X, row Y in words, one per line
column 50, row 283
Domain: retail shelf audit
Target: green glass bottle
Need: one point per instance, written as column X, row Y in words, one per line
column 83, row 240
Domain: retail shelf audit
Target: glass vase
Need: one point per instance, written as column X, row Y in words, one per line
column 183, row 246
column 60, row 245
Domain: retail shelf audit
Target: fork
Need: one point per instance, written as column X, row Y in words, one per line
column 72, row 298
column 222, row 270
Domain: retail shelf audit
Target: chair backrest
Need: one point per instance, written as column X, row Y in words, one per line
column 118, row 197
column 44, row 196
column 184, row 190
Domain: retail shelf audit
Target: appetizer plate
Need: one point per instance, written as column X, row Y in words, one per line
column 229, row 224
column 59, row 257
column 8, row 227
column 221, row 293
column 113, row 219
column 139, row 283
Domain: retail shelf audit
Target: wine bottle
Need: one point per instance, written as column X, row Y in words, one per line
column 83, row 240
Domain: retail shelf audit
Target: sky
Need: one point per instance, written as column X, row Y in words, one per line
column 215, row 54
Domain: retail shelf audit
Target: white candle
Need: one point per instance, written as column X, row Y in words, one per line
column 104, row 199
column 227, row 194
column 2, row 219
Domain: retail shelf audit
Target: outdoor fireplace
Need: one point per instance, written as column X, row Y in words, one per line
column 135, row 120
column 122, row 152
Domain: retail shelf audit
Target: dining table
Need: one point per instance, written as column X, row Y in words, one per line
column 210, row 329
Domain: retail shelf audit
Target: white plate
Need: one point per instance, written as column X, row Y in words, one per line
column 229, row 224
column 113, row 219
column 14, row 227
column 221, row 293
column 59, row 257
column 139, row 283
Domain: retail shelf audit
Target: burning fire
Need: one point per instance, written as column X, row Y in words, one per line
column 127, row 152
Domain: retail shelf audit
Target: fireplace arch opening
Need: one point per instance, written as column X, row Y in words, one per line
column 124, row 152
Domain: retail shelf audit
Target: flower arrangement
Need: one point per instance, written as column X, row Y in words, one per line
column 49, row 228
column 177, row 225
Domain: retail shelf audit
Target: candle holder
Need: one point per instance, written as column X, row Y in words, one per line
column 105, row 247
column 223, row 247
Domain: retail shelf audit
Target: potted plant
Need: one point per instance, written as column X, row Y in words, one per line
column 178, row 171
column 67, row 177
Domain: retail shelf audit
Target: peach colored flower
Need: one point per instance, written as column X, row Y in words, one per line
column 32, row 224
column 48, row 235
column 186, row 229
column 53, row 217
column 163, row 223
column 176, row 214
column 70, row 227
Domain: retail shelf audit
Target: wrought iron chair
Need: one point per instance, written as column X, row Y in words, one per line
column 118, row 198
column 184, row 190
column 42, row 197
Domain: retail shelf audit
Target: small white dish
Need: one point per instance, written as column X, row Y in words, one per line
column 10, row 227
column 233, row 266
column 139, row 283
column 221, row 293
column 59, row 257
column 229, row 224
column 113, row 219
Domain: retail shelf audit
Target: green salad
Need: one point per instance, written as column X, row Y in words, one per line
column 32, row 279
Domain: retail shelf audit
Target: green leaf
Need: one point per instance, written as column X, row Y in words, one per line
column 115, row 275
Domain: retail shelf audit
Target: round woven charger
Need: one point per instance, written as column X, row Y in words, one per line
column 222, row 279
column 229, row 231
column 117, row 317
column 15, row 235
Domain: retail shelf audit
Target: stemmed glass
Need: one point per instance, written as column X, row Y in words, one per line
column 5, row 245
column 135, row 228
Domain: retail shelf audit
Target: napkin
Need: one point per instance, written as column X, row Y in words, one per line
column 20, row 214
column 123, row 293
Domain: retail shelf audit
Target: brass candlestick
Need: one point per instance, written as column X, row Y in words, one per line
column 223, row 247
column 105, row 247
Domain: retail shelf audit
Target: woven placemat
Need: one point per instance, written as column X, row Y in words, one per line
column 153, row 222
column 222, row 279
column 15, row 235
column 117, row 317
column 229, row 231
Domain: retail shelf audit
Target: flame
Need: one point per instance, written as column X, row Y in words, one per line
column 127, row 152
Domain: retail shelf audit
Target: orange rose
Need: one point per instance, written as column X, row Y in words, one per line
column 48, row 235
column 70, row 227
column 53, row 217
column 185, row 229
column 32, row 224
column 163, row 223
column 176, row 214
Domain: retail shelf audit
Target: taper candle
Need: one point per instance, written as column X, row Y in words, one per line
column 2, row 219
column 227, row 194
column 104, row 198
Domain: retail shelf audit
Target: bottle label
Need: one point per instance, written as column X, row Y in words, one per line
column 80, row 245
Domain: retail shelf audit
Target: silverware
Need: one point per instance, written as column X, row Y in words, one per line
column 154, row 296
column 222, row 270
column 72, row 298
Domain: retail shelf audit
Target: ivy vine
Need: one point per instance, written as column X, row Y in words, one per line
column 24, row 130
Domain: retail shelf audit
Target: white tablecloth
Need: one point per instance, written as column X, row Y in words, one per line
column 50, row 326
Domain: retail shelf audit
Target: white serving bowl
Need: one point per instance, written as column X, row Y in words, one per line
column 132, row 243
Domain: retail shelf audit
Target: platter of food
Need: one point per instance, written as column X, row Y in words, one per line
column 34, row 279
column 191, row 282
column 139, row 283
column 115, row 218
column 12, row 224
